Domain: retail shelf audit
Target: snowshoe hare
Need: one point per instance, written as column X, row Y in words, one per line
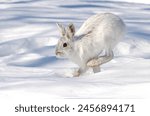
column 99, row 33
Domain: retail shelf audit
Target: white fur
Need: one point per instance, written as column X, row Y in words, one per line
column 99, row 32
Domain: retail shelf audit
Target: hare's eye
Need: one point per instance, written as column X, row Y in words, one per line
column 65, row 45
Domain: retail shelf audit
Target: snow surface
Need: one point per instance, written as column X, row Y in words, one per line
column 28, row 35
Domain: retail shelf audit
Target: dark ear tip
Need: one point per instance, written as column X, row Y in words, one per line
column 71, row 25
column 58, row 24
column 71, row 28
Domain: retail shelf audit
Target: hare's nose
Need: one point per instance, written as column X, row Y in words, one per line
column 57, row 52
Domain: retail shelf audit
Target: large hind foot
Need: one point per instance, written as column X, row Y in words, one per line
column 93, row 63
column 101, row 59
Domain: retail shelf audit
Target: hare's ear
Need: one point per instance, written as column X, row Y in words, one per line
column 61, row 29
column 70, row 30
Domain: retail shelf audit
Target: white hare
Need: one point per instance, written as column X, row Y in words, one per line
column 98, row 33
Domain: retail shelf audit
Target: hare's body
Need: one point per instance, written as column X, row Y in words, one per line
column 98, row 33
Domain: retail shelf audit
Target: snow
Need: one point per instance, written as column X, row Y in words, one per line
column 29, row 67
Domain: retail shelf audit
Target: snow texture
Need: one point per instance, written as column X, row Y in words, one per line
column 29, row 67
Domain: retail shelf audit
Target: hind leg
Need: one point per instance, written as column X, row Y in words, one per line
column 101, row 59
column 96, row 69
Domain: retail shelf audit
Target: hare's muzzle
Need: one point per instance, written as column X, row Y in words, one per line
column 58, row 53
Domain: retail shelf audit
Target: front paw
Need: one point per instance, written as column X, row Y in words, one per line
column 76, row 74
column 92, row 63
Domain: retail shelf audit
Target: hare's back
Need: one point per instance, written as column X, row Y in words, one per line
column 98, row 22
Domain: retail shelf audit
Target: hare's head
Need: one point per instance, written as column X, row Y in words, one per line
column 65, row 44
